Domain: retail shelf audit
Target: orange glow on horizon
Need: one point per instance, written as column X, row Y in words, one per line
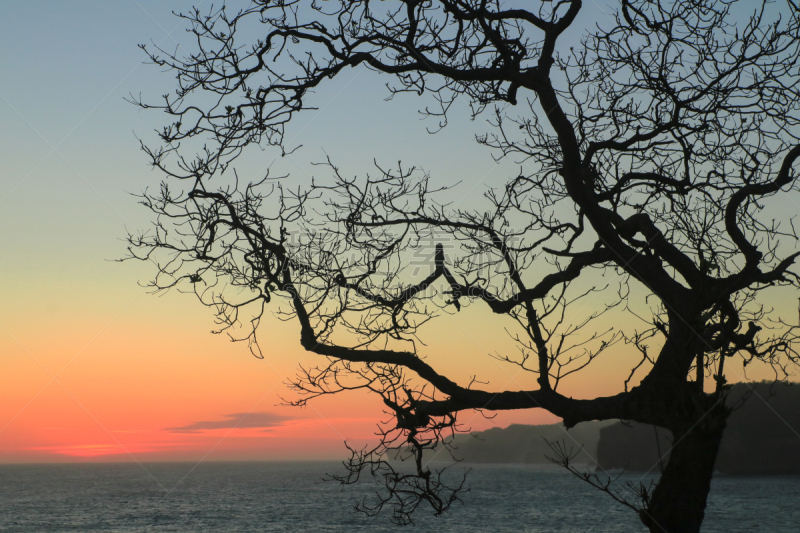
column 122, row 390
column 92, row 450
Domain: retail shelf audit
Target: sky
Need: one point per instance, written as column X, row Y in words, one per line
column 95, row 368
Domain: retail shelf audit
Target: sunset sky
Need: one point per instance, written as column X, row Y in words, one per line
column 92, row 366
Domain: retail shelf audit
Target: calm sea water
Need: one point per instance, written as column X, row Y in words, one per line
column 235, row 497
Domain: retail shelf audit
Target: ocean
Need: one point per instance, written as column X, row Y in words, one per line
column 288, row 496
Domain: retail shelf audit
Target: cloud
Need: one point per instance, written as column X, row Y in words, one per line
column 235, row 420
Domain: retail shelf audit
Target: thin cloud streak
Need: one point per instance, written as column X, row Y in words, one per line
column 236, row 420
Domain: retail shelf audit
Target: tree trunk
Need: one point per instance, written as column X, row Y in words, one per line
column 678, row 503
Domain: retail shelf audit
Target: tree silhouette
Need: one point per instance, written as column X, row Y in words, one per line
column 655, row 143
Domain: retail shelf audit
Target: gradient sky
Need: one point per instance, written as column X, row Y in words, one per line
column 92, row 367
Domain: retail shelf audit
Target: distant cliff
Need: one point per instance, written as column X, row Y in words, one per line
column 762, row 436
column 527, row 444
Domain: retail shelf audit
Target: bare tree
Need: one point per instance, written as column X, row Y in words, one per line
column 656, row 144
